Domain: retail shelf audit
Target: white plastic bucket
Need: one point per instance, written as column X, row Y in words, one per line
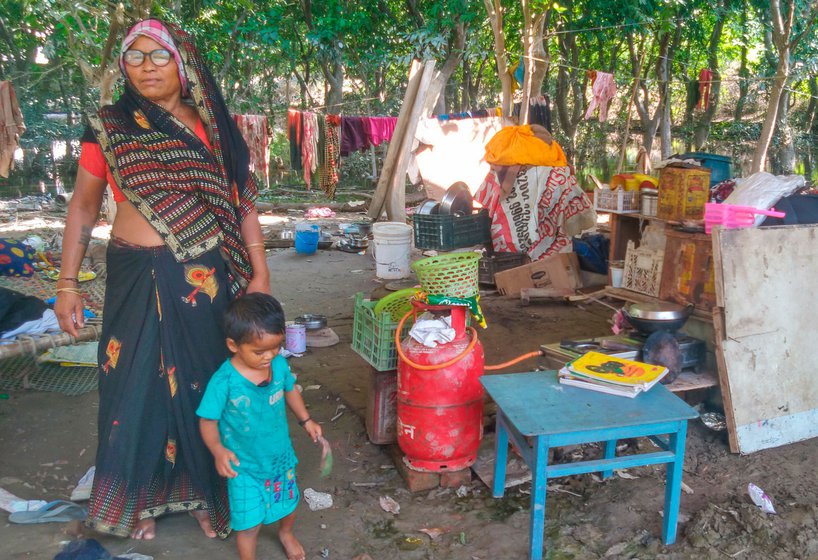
column 392, row 245
column 296, row 338
column 616, row 276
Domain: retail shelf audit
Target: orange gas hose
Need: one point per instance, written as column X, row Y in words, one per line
column 511, row 362
column 460, row 356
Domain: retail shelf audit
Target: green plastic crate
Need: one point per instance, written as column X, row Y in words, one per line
column 444, row 232
column 373, row 338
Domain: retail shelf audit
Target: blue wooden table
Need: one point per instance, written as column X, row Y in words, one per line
column 538, row 413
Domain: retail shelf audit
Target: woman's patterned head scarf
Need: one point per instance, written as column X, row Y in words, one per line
column 156, row 30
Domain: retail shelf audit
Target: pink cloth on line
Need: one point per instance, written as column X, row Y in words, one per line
column 380, row 129
column 603, row 90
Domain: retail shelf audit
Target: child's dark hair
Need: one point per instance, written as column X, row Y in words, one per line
column 252, row 316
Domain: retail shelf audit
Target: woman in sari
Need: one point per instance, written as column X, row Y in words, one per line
column 185, row 241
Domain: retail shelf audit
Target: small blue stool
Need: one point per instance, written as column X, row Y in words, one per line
column 534, row 405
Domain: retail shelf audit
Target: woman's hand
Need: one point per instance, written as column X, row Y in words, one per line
column 69, row 310
column 259, row 284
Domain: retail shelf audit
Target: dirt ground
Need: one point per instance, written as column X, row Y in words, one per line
column 48, row 442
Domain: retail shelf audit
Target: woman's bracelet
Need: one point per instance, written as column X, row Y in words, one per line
column 251, row 245
column 74, row 280
column 70, row 291
column 303, row 422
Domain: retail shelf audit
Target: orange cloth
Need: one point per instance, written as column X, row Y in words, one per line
column 518, row 145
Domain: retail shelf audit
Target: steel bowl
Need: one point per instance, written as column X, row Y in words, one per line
column 427, row 207
column 648, row 318
column 457, row 201
column 312, row 321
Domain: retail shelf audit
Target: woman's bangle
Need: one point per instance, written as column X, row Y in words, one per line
column 74, row 280
column 70, row 291
column 251, row 245
column 303, row 422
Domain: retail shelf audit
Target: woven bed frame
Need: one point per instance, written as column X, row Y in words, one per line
column 94, row 295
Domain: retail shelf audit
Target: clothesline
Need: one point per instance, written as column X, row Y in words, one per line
column 757, row 79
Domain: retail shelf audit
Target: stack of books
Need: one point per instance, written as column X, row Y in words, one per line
column 612, row 375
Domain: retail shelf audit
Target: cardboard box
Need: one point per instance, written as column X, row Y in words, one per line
column 683, row 192
column 560, row 272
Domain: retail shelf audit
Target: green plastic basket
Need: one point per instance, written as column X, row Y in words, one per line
column 373, row 335
column 397, row 304
column 453, row 274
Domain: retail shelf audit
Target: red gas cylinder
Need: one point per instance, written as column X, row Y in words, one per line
column 440, row 411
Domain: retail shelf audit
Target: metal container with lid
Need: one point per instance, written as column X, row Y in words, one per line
column 649, row 201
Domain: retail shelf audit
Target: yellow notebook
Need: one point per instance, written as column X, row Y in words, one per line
column 619, row 371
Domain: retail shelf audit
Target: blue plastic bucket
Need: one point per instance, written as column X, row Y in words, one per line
column 306, row 239
column 719, row 166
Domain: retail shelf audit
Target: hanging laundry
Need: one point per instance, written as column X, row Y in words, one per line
column 309, row 146
column 11, row 127
column 603, row 90
column 256, row 132
column 705, row 82
column 693, row 97
column 353, row 135
column 380, row 129
column 294, row 129
column 330, row 137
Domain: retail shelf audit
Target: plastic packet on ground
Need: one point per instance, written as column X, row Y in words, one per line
column 11, row 503
column 317, row 500
column 714, row 420
column 83, row 489
column 760, row 499
column 389, row 504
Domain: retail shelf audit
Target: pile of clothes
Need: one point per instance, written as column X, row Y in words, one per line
column 533, row 198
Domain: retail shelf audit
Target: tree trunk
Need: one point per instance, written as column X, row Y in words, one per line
column 664, row 73
column 495, row 13
column 642, row 99
column 534, row 56
column 436, row 99
column 784, row 43
column 786, row 143
column 702, row 130
column 743, row 74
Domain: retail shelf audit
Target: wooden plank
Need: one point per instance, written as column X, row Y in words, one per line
column 768, row 333
column 384, row 181
column 396, row 201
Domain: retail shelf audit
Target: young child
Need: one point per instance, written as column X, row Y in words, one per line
column 244, row 424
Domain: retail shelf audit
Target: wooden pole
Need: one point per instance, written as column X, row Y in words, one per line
column 31, row 345
column 396, row 202
column 382, row 190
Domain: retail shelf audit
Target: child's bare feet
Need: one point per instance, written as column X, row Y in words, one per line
column 291, row 546
column 145, row 529
column 204, row 522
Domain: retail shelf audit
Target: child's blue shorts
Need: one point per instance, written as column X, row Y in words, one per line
column 255, row 500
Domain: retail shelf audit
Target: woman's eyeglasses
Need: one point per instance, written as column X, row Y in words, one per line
column 159, row 57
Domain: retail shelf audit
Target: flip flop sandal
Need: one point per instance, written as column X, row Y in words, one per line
column 59, row 511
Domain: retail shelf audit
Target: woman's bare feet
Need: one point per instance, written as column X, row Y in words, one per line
column 144, row 529
column 291, row 545
column 204, row 522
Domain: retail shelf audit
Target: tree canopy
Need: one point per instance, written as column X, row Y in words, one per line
column 352, row 57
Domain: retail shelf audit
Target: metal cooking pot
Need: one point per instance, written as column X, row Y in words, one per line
column 648, row 318
column 312, row 321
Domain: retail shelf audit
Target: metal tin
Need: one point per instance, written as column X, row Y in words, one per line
column 312, row 321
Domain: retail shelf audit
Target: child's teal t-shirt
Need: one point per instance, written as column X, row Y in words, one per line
column 252, row 419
